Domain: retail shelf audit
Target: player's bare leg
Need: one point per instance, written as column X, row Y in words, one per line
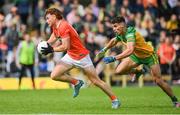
column 59, row 74
column 92, row 75
column 156, row 73
column 127, row 66
column 135, row 73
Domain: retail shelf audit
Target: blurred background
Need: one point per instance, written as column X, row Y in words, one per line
column 157, row 20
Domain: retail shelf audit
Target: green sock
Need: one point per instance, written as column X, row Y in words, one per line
column 174, row 99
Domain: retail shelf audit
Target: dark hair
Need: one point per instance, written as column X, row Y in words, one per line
column 54, row 11
column 118, row 19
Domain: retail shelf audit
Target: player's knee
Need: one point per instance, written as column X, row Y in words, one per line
column 93, row 81
column 53, row 76
column 118, row 72
column 158, row 80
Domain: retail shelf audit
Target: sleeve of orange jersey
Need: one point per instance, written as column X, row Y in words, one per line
column 64, row 31
column 64, row 34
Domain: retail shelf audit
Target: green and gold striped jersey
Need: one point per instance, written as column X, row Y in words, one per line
column 142, row 48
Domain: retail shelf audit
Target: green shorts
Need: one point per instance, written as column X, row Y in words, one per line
column 149, row 61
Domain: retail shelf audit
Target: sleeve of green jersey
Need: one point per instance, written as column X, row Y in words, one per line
column 130, row 34
column 118, row 37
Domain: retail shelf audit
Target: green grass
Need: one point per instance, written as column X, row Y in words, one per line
column 147, row 100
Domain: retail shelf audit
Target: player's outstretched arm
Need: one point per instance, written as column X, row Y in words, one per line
column 129, row 50
column 124, row 54
column 111, row 43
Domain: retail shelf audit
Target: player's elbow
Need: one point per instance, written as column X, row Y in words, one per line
column 130, row 51
column 65, row 48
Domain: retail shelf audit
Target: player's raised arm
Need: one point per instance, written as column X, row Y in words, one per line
column 110, row 44
column 129, row 50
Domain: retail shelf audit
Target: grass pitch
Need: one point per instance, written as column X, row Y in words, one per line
column 146, row 100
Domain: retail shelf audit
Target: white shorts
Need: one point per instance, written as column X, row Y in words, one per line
column 82, row 63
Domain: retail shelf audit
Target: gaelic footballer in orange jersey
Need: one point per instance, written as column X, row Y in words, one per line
column 76, row 51
column 77, row 55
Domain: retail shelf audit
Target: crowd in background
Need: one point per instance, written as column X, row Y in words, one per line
column 157, row 20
